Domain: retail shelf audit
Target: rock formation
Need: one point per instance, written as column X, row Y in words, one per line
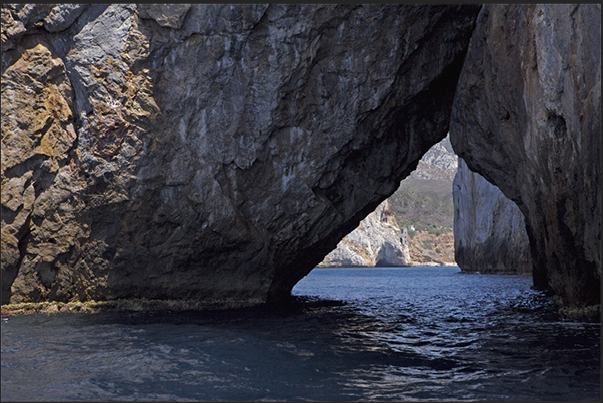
column 527, row 117
column 215, row 152
column 219, row 152
column 378, row 241
column 439, row 163
column 489, row 230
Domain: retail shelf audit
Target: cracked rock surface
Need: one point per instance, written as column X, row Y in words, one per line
column 527, row 117
column 216, row 152
column 220, row 151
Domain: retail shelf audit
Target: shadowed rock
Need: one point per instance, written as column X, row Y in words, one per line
column 527, row 117
column 489, row 230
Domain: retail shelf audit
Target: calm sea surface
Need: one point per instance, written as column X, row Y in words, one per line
column 392, row 334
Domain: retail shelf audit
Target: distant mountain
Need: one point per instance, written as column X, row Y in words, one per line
column 424, row 202
column 424, row 199
column 411, row 228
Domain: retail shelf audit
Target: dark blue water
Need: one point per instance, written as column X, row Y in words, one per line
column 350, row 334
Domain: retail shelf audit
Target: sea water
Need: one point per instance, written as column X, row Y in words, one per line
column 377, row 334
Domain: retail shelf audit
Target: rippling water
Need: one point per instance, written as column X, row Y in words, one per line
column 350, row 334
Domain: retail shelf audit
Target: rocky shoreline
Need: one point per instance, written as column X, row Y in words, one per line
column 132, row 304
column 589, row 314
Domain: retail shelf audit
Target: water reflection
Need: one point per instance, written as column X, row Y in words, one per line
column 404, row 336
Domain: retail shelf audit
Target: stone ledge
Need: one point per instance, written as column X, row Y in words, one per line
column 591, row 313
column 134, row 304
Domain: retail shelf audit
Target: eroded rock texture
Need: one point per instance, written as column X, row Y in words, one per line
column 216, row 152
column 378, row 241
column 489, row 230
column 527, row 117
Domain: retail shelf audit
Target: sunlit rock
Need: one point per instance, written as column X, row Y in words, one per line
column 378, row 241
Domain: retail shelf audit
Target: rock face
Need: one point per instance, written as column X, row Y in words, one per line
column 215, row 152
column 439, row 163
column 376, row 242
column 527, row 117
column 219, row 152
column 489, row 230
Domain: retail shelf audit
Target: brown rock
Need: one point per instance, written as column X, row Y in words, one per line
column 37, row 137
column 427, row 249
column 166, row 15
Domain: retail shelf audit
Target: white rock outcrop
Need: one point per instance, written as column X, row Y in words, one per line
column 376, row 242
column 438, row 163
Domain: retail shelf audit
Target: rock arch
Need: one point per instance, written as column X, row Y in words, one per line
column 527, row 117
column 223, row 150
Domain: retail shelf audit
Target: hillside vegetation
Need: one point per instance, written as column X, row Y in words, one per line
column 424, row 200
column 425, row 204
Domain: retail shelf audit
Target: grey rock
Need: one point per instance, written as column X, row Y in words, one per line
column 527, row 117
column 223, row 151
column 166, row 15
column 489, row 229
column 223, row 155
column 12, row 28
column 439, row 162
column 18, row 19
column 31, row 15
column 62, row 16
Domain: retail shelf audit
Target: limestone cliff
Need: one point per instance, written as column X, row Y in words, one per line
column 376, row 242
column 439, row 163
column 527, row 117
column 489, row 229
column 219, row 152
column 215, row 152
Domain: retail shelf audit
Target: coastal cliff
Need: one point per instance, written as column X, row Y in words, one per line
column 423, row 204
column 489, row 229
column 377, row 242
column 527, row 117
column 219, row 152
column 215, row 152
